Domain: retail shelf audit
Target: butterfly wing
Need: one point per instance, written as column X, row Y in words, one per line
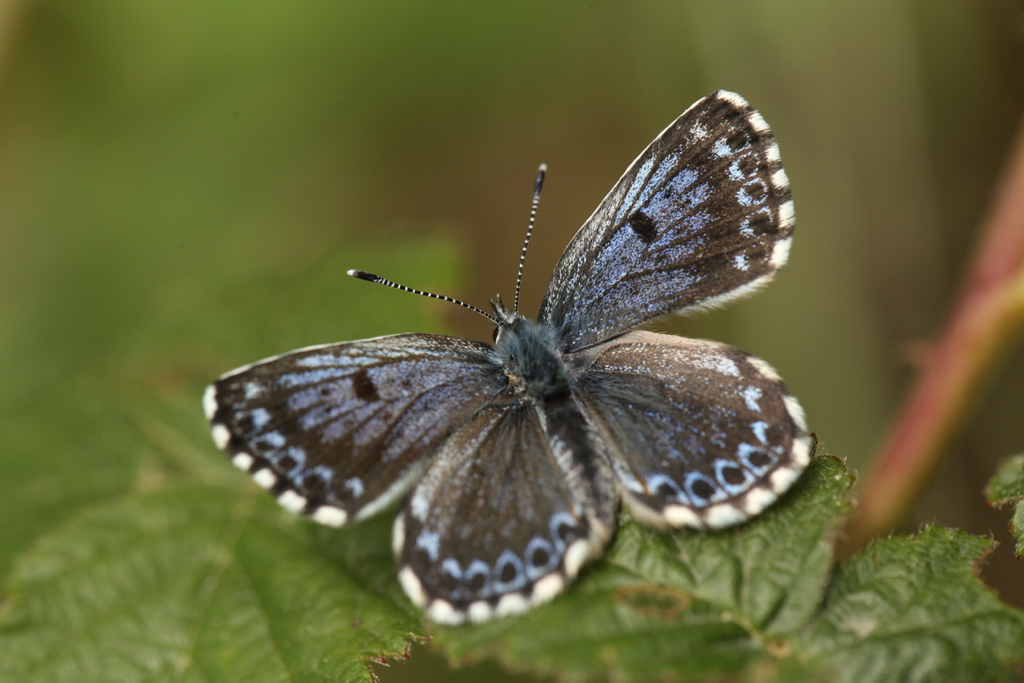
column 699, row 433
column 505, row 515
column 337, row 432
column 701, row 217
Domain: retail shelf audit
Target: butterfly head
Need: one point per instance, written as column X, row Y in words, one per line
column 504, row 317
column 528, row 352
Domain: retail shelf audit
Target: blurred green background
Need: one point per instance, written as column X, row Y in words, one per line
column 182, row 186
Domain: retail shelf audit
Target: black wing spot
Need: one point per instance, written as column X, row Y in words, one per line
column 748, row 165
column 741, row 138
column 314, row 487
column 245, row 423
column 364, row 387
column 761, row 224
column 644, row 227
column 477, row 582
column 508, row 573
column 702, row 489
column 447, row 581
column 733, row 476
column 757, row 192
column 759, row 459
column 564, row 531
column 665, row 491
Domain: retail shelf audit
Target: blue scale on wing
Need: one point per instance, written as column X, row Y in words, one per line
column 492, row 515
column 361, row 417
column 696, row 217
column 688, row 422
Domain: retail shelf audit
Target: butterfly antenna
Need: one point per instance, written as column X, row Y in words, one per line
column 370, row 277
column 538, row 185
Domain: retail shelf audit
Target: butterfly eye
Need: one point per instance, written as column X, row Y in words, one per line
column 497, row 329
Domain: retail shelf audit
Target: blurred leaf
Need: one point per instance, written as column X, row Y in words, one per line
column 129, row 416
column 913, row 609
column 1007, row 488
column 131, row 537
column 195, row 583
column 50, row 472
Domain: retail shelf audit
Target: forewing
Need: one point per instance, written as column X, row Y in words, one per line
column 701, row 434
column 703, row 216
column 336, row 432
column 495, row 526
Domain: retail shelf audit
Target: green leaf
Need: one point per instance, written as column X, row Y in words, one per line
column 60, row 453
column 133, row 550
column 1007, row 488
column 913, row 609
column 216, row 582
column 687, row 604
column 197, row 583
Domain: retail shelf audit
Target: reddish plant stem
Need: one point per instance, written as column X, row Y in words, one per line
column 987, row 317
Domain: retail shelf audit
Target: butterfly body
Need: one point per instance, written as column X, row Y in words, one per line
column 514, row 457
column 528, row 352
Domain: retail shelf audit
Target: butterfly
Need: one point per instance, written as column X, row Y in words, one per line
column 512, row 458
